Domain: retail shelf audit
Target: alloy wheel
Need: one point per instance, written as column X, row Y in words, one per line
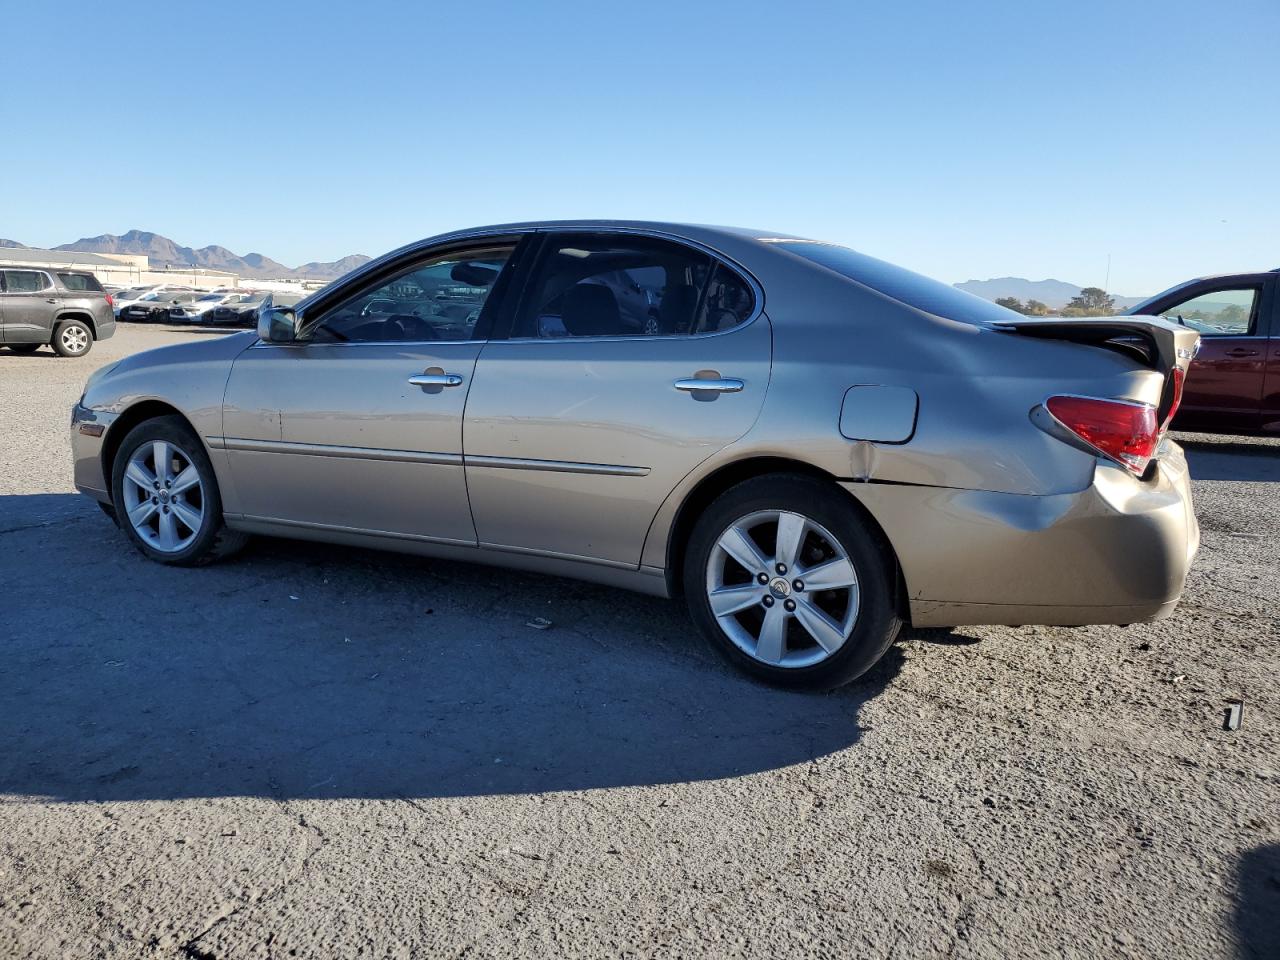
column 782, row 588
column 164, row 496
column 75, row 339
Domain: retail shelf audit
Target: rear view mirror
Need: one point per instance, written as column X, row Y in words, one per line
column 277, row 324
column 473, row 274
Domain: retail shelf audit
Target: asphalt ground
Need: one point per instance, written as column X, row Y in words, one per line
column 325, row 752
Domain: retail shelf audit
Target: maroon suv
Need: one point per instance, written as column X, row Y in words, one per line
column 1234, row 384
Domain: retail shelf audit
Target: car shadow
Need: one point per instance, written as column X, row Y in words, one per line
column 45, row 352
column 1257, row 914
column 303, row 670
column 1218, row 460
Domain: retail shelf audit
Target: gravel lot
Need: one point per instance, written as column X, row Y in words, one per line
column 323, row 752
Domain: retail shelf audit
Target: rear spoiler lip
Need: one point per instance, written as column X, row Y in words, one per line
column 1173, row 344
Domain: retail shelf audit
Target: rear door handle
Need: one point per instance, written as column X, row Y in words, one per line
column 1242, row 352
column 717, row 385
column 436, row 380
column 50, row 300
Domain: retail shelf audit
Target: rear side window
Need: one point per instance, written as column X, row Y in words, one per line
column 24, row 281
column 598, row 285
column 728, row 301
column 905, row 286
column 80, row 281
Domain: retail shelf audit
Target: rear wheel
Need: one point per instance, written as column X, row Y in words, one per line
column 791, row 583
column 166, row 496
column 24, row 347
column 72, row 338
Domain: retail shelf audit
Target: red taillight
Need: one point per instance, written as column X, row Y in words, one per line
column 110, row 302
column 1125, row 431
column 1178, row 376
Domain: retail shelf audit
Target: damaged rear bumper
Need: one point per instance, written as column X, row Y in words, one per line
column 1116, row 552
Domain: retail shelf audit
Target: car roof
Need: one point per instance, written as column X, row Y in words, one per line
column 675, row 227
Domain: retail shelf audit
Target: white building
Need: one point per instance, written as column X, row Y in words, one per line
column 118, row 269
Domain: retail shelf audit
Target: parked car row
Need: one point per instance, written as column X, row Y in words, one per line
column 184, row 305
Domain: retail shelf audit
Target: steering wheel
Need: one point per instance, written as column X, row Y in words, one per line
column 415, row 327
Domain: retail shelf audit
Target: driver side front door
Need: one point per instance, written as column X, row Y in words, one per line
column 357, row 426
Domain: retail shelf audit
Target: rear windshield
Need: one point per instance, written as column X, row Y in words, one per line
column 80, row 281
column 913, row 289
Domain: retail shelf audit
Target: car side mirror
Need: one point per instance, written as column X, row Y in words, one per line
column 278, row 324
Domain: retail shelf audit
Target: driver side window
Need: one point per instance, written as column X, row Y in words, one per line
column 1221, row 313
column 441, row 298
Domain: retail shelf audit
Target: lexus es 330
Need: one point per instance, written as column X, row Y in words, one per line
column 811, row 446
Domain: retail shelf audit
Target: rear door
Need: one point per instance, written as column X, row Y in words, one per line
column 357, row 426
column 28, row 302
column 1224, row 386
column 630, row 360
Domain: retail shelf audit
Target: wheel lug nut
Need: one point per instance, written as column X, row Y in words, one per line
column 768, row 601
column 781, row 568
column 763, row 578
column 166, row 509
column 798, row 586
column 790, row 605
column 156, row 484
column 155, row 499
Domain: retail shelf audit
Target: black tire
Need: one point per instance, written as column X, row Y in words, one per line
column 110, row 511
column 67, row 334
column 213, row 541
column 24, row 347
column 876, row 624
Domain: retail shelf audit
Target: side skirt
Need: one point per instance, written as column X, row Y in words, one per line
column 648, row 580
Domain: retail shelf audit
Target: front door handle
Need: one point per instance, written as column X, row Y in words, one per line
column 436, row 380
column 50, row 300
column 711, row 385
column 1242, row 352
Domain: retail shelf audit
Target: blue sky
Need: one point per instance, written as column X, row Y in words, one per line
column 959, row 139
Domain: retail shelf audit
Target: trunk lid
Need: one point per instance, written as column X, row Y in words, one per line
column 1153, row 341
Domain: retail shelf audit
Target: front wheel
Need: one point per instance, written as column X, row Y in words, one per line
column 788, row 579
column 166, row 496
column 72, row 338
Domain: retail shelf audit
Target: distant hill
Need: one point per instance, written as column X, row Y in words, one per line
column 164, row 252
column 1052, row 293
column 11, row 244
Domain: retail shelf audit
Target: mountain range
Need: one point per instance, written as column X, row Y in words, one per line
column 1052, row 293
column 164, row 252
